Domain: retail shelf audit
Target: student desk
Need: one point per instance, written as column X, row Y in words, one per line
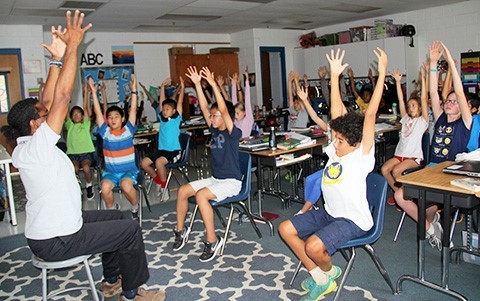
column 268, row 158
column 5, row 161
column 432, row 185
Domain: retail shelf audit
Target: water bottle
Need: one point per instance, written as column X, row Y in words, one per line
column 272, row 140
column 394, row 109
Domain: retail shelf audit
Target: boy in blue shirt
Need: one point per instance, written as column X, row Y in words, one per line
column 169, row 149
column 226, row 180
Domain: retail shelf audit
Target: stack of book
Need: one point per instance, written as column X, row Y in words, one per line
column 293, row 140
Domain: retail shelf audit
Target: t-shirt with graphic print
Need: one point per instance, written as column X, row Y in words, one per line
column 344, row 185
column 225, row 153
column 449, row 139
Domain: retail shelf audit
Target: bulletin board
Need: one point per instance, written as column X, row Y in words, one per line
column 116, row 79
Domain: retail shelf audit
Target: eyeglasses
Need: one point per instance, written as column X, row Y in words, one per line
column 451, row 101
column 216, row 115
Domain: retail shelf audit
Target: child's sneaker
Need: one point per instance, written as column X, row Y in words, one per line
column 143, row 295
column 164, row 194
column 435, row 239
column 309, row 283
column 135, row 215
column 90, row 193
column 436, row 218
column 318, row 291
column 391, row 201
column 181, row 238
column 111, row 289
column 211, row 250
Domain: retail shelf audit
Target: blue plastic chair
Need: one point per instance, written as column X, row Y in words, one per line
column 238, row 200
column 376, row 196
column 184, row 139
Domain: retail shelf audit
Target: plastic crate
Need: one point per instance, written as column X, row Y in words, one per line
column 331, row 38
column 344, row 37
column 469, row 257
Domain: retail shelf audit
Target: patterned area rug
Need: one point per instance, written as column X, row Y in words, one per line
column 246, row 271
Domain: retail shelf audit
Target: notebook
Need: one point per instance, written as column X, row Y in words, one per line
column 467, row 168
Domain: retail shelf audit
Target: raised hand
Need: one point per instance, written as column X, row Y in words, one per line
column 133, row 82
column 397, row 75
column 382, row 60
column 435, row 51
column 193, row 75
column 450, row 60
column 246, row 72
column 208, row 75
column 73, row 35
column 350, row 73
column 305, row 80
column 291, row 76
column 370, row 73
column 220, row 80
column 296, row 76
column 335, row 60
column 322, row 72
column 166, row 81
column 302, row 93
column 93, row 86
column 57, row 48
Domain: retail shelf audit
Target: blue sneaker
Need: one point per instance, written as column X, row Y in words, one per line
column 318, row 291
column 309, row 283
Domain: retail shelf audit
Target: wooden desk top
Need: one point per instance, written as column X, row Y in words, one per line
column 269, row 153
column 433, row 177
column 396, row 127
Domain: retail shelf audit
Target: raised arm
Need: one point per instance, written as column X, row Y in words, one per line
column 57, row 51
column 210, row 77
column 233, row 88
column 86, row 102
column 72, row 37
column 337, row 108
column 247, row 101
column 196, row 79
column 221, row 85
column 448, row 83
column 423, row 94
column 96, row 104
column 181, row 96
column 368, row 134
column 303, row 95
column 239, row 88
column 132, row 114
column 351, row 75
column 149, row 96
column 290, row 88
column 162, row 90
column 458, row 88
column 435, row 53
column 397, row 75
column 322, row 74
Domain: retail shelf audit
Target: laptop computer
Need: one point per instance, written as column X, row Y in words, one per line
column 466, row 168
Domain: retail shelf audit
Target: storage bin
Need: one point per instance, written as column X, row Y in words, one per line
column 331, row 38
column 344, row 37
column 360, row 33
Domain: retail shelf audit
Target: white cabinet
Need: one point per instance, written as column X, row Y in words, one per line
column 360, row 57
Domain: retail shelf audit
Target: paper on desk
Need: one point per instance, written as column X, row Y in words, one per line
column 472, row 156
column 383, row 126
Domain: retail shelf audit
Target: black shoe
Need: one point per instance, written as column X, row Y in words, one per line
column 211, row 249
column 90, row 193
column 181, row 238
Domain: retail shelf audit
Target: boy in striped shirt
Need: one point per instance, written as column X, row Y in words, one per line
column 118, row 150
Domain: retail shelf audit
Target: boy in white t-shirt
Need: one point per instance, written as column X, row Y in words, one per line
column 315, row 235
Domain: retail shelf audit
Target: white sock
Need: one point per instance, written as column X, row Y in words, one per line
column 430, row 230
column 318, row 276
column 134, row 208
column 89, row 184
column 331, row 272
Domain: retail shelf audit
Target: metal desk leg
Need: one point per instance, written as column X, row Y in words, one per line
column 258, row 217
column 11, row 202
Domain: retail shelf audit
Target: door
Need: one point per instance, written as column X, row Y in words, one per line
column 10, row 64
column 273, row 77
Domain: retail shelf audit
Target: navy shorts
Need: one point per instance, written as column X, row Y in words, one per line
column 82, row 157
column 171, row 156
column 333, row 232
